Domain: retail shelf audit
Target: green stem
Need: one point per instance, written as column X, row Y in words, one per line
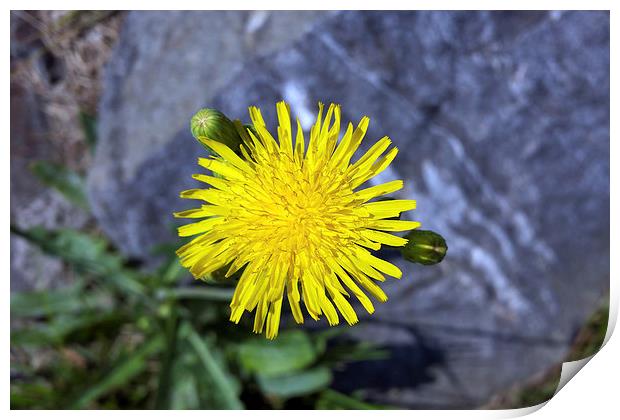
column 223, row 295
column 162, row 400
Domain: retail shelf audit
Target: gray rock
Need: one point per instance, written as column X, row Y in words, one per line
column 33, row 204
column 502, row 120
column 166, row 67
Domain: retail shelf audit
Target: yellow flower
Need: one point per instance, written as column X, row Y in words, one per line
column 289, row 216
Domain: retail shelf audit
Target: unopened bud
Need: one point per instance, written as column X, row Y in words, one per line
column 424, row 247
column 212, row 124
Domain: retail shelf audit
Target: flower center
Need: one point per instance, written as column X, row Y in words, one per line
column 301, row 209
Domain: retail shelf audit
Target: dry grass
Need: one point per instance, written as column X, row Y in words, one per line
column 66, row 53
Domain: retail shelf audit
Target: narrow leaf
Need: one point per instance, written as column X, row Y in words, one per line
column 89, row 127
column 121, row 374
column 215, row 370
column 63, row 180
column 87, row 253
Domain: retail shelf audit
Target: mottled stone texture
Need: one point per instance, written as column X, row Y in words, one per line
column 31, row 203
column 502, row 120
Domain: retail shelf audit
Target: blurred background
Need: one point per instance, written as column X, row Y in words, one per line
column 502, row 121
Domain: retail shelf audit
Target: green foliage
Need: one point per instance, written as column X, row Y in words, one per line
column 89, row 127
column 121, row 373
column 297, row 383
column 293, row 350
column 87, row 253
column 63, row 180
column 120, row 337
column 224, row 383
column 66, row 328
column 70, row 299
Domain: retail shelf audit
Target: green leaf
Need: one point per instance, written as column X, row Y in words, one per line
column 191, row 388
column 340, row 352
column 87, row 253
column 46, row 302
column 32, row 395
column 89, row 127
column 58, row 301
column 64, row 328
column 121, row 373
column 289, row 352
column 172, row 272
column 296, row 384
column 184, row 395
column 217, row 371
column 65, row 181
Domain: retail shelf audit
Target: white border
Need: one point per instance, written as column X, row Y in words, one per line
column 593, row 393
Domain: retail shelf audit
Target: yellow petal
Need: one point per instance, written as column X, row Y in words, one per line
column 384, row 238
column 393, row 225
column 381, row 189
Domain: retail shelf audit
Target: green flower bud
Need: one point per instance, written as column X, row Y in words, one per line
column 424, row 247
column 212, row 124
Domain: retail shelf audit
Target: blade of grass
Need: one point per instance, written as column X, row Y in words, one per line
column 121, row 374
column 214, row 369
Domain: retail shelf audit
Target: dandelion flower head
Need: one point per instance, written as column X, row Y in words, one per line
column 289, row 214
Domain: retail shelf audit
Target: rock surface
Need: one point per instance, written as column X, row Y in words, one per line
column 33, row 204
column 502, row 120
